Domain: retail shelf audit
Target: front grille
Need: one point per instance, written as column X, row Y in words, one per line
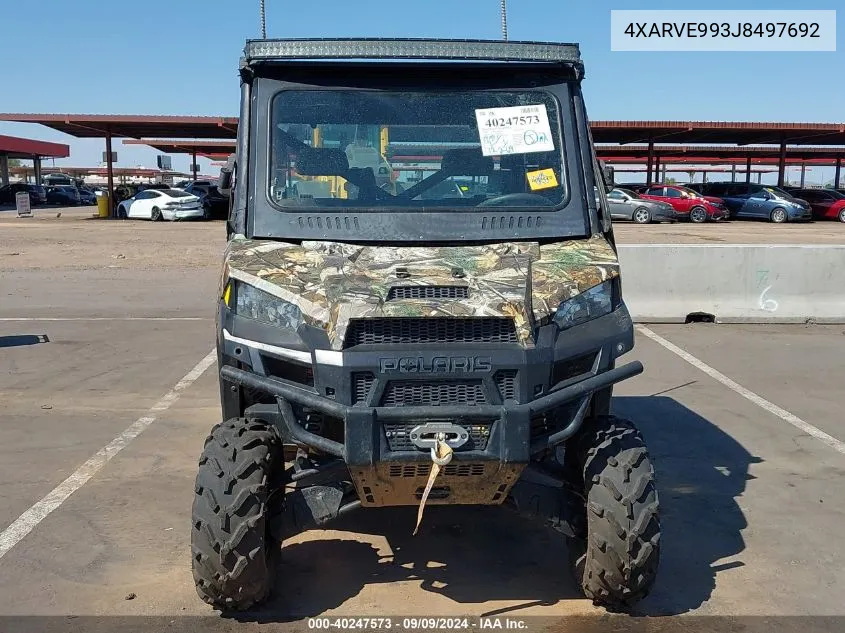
column 399, row 437
column 506, row 382
column 450, row 470
column 427, row 292
column 418, row 393
column 416, row 331
column 362, row 382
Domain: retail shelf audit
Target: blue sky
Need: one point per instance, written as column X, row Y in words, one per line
column 180, row 57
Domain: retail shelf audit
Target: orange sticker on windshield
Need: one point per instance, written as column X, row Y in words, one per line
column 542, row 179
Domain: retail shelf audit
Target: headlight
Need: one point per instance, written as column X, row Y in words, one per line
column 590, row 304
column 256, row 304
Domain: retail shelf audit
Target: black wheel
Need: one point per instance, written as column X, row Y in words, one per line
column 617, row 550
column 121, row 212
column 156, row 215
column 698, row 215
column 642, row 216
column 842, row 215
column 234, row 556
column 778, row 216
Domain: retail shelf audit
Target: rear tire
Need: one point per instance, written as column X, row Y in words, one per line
column 642, row 216
column 842, row 215
column 234, row 556
column 698, row 215
column 617, row 552
column 156, row 215
column 778, row 216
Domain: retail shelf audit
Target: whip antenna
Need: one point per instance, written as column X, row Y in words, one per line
column 264, row 21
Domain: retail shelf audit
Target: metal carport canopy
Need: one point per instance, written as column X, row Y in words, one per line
column 722, row 154
column 733, row 132
column 132, row 125
column 708, row 153
column 200, row 148
column 123, row 125
column 16, row 147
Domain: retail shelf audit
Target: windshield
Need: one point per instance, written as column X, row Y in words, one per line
column 176, row 193
column 691, row 192
column 779, row 193
column 629, row 192
column 408, row 150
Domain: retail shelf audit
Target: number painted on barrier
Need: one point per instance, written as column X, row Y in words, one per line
column 769, row 305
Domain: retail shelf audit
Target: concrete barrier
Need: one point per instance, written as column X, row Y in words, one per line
column 735, row 283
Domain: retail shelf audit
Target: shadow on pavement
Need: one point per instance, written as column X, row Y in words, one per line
column 473, row 555
column 701, row 470
column 20, row 340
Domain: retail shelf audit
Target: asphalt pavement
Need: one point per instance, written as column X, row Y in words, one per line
column 735, row 417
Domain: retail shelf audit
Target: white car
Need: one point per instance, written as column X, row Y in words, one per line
column 161, row 204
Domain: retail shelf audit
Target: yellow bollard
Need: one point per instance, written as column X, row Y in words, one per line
column 103, row 205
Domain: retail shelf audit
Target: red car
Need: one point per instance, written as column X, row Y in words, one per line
column 688, row 203
column 827, row 204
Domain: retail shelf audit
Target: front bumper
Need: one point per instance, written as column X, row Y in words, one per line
column 799, row 214
column 543, row 408
column 666, row 215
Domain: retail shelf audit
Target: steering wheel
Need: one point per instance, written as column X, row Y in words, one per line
column 513, row 199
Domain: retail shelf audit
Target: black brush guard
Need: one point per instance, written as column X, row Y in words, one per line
column 507, row 413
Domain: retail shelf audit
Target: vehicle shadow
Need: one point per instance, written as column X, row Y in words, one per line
column 474, row 555
column 700, row 471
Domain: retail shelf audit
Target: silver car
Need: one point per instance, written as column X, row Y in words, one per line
column 628, row 205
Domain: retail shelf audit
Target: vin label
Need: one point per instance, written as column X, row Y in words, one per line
column 711, row 30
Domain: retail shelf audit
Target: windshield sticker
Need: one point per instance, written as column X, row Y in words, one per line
column 542, row 179
column 514, row 130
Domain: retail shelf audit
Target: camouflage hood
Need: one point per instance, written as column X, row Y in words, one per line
column 332, row 283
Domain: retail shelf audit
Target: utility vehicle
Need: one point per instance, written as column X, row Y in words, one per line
column 442, row 323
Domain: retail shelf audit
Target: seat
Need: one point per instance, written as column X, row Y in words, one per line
column 322, row 161
column 466, row 162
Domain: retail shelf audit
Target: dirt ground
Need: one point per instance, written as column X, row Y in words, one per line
column 78, row 240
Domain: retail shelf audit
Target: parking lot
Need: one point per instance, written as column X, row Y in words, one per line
column 107, row 326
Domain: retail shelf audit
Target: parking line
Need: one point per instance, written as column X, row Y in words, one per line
column 760, row 401
column 26, row 522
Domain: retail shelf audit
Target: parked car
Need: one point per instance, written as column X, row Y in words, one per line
column 164, row 204
column 689, row 205
column 826, row 204
column 753, row 200
column 63, row 194
column 156, row 185
column 629, row 205
column 37, row 193
column 215, row 205
column 87, row 196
